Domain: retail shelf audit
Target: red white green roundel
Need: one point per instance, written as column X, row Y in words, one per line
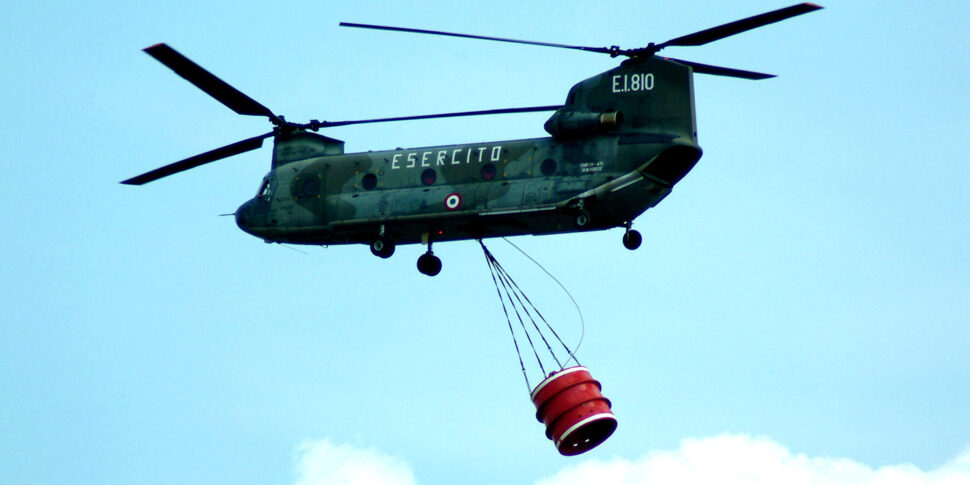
column 453, row 202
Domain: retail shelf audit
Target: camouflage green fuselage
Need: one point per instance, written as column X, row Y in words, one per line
column 611, row 169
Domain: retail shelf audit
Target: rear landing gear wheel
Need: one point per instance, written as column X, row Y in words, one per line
column 632, row 239
column 382, row 247
column 429, row 264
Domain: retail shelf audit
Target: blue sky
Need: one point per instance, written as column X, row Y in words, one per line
column 800, row 303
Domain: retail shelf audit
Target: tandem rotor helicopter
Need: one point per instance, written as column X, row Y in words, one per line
column 618, row 145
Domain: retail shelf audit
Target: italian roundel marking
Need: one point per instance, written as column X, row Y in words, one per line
column 453, row 202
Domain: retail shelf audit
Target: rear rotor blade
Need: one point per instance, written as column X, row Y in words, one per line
column 325, row 124
column 201, row 159
column 722, row 71
column 601, row 50
column 208, row 82
column 743, row 25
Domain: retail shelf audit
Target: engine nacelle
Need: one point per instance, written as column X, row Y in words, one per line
column 573, row 124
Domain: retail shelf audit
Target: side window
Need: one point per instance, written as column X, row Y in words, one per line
column 488, row 171
column 548, row 167
column 429, row 176
column 369, row 181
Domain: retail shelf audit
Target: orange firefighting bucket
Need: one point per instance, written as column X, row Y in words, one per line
column 577, row 416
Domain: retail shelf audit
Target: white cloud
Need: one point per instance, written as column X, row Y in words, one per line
column 744, row 460
column 323, row 463
column 728, row 459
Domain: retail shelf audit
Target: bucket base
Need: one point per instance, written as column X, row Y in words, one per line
column 586, row 434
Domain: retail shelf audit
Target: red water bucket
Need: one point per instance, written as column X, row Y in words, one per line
column 577, row 416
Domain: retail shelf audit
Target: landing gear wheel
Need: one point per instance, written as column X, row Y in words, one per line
column 632, row 239
column 382, row 247
column 582, row 220
column 429, row 264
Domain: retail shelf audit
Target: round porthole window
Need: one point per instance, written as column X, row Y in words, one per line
column 369, row 181
column 309, row 187
column 428, row 176
column 488, row 171
column 548, row 167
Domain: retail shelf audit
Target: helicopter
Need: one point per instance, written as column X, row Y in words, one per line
column 617, row 146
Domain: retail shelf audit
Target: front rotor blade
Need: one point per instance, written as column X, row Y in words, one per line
column 208, row 82
column 743, row 25
column 722, row 71
column 325, row 124
column 201, row 159
column 601, row 50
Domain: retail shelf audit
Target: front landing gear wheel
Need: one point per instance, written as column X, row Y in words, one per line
column 429, row 264
column 382, row 247
column 632, row 239
column 582, row 220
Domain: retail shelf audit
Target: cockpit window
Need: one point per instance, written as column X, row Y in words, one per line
column 266, row 188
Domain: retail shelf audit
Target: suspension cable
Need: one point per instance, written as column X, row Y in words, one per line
column 510, row 294
column 519, row 295
column 582, row 321
column 488, row 259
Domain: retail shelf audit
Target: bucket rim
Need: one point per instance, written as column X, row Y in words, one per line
column 554, row 376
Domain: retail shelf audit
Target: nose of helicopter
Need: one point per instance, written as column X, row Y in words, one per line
column 243, row 214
